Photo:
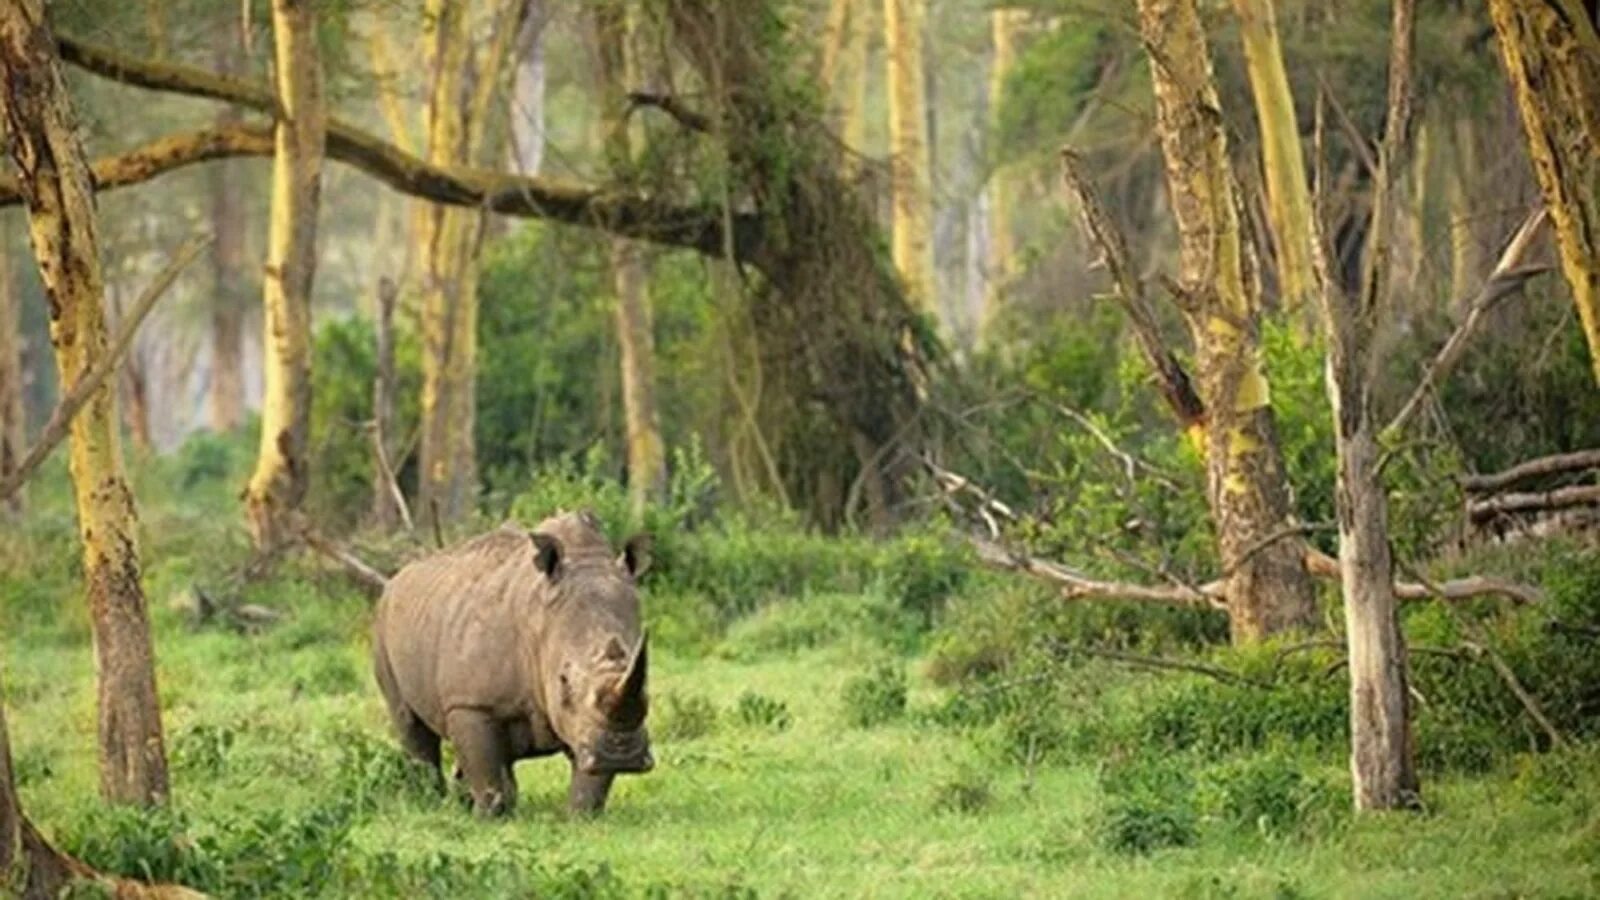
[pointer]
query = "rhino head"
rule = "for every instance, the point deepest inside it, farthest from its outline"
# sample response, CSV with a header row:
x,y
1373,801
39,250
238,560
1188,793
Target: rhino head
x,y
597,657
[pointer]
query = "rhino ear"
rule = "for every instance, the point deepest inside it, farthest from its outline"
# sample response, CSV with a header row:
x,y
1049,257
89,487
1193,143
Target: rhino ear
x,y
636,554
546,553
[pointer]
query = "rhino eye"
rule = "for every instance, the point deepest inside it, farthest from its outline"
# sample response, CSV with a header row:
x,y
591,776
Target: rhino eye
x,y
566,689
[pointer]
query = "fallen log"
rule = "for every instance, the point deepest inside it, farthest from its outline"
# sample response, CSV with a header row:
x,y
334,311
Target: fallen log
x,y
1558,464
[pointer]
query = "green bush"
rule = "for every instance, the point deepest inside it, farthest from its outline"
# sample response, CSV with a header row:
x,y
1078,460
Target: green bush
x,y
967,792
818,621
876,697
760,711
1272,793
683,717
1149,804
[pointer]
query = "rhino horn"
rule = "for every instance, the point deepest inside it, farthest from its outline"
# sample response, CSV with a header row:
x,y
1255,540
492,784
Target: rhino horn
x,y
628,700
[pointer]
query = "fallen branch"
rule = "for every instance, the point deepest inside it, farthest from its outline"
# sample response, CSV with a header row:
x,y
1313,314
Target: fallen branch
x,y
1544,501
1558,464
1468,588
1162,663
1075,585
357,567
56,428
1508,277
1481,645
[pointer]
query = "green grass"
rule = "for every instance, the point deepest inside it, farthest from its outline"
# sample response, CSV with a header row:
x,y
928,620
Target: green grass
x,y
286,782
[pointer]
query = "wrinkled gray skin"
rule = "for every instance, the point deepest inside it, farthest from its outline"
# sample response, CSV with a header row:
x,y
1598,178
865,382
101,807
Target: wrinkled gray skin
x,y
520,644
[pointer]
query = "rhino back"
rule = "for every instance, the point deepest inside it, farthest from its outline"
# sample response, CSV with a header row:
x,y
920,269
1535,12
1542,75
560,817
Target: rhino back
x,y
451,627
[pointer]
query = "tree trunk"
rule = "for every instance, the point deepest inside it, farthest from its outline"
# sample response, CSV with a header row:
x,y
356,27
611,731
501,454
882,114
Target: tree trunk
x,y
447,241
1282,159
13,413
528,90
1004,25
30,868
230,284
1381,757
55,184
910,183
281,477
647,470
1268,589
1466,263
1550,55
385,503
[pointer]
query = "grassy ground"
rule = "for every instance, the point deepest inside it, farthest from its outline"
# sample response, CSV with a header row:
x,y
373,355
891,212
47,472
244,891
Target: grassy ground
x,y
286,782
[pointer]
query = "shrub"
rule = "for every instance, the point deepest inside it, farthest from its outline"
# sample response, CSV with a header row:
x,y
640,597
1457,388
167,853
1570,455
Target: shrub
x,y
684,717
876,697
759,711
817,621
1272,793
1149,804
967,792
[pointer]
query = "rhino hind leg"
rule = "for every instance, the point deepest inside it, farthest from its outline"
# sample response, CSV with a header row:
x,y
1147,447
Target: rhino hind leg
x,y
420,742
483,758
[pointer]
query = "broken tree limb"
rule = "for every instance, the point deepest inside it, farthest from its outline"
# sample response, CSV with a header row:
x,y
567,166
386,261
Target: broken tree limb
x,y
1075,585
672,106
1479,509
1508,277
1175,385
1480,645
56,428
1559,464
1160,663
1468,588
353,564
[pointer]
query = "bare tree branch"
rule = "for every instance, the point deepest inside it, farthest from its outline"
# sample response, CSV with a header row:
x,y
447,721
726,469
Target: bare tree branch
x,y
1545,501
55,430
1508,277
1097,222
1558,464
672,106
697,227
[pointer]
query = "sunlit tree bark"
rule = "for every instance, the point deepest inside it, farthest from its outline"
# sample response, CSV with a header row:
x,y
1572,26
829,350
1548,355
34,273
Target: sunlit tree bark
x,y
447,240
647,470
281,476
42,140
1004,26
1268,589
1552,56
910,184
1282,160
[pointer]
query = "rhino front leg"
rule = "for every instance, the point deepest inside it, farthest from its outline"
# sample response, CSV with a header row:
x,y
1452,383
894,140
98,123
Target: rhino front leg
x,y
482,756
587,794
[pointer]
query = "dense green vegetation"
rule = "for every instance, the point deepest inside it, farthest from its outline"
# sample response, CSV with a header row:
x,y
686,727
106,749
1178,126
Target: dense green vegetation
x,y
831,716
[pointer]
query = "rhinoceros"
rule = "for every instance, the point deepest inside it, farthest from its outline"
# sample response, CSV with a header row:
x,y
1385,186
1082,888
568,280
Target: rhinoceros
x,y
519,644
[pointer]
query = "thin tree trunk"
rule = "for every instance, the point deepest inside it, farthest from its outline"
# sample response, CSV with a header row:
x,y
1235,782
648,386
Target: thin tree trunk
x,y
1466,263
1268,590
647,469
1004,26
910,182
13,413
1382,760
849,85
385,505
1282,158
43,141
281,477
528,90
230,283
1549,55
447,241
